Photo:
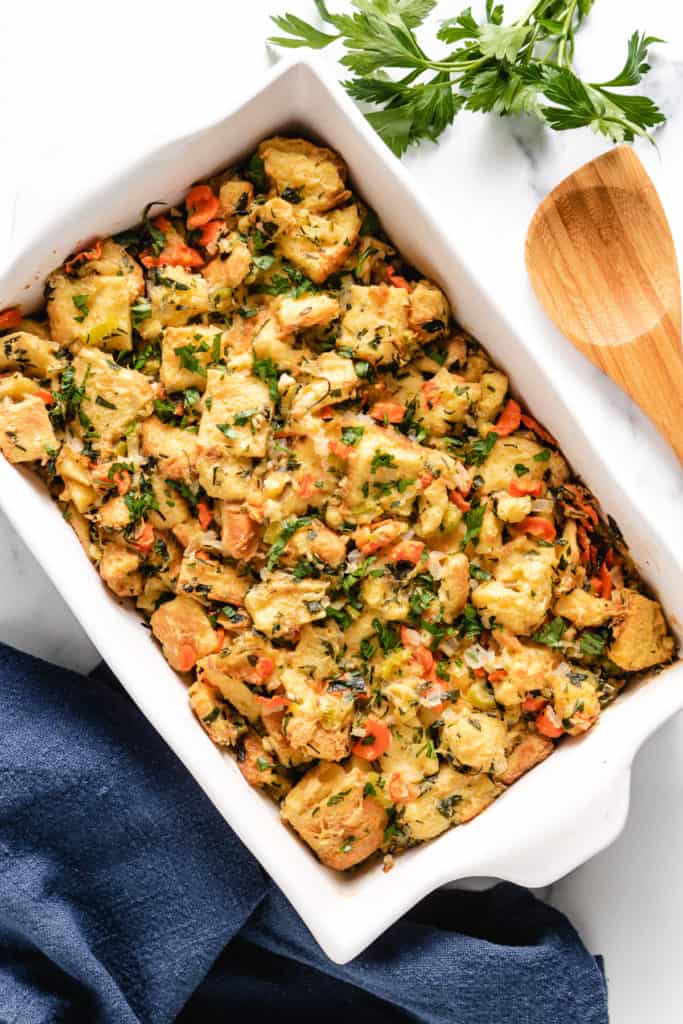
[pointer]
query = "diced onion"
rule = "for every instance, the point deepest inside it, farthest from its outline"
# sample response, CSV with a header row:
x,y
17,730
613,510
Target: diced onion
x,y
544,506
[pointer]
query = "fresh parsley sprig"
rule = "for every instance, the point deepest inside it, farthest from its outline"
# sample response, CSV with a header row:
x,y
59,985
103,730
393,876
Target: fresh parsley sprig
x,y
522,66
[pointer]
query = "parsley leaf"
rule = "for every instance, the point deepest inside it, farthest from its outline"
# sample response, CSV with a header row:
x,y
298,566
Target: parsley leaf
x,y
505,68
551,633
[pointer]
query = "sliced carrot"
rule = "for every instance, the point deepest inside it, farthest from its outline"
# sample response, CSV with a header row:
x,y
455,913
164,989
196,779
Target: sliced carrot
x,y
538,527
401,791
407,551
10,318
410,637
176,254
264,668
122,481
179,409
462,503
273,703
327,413
548,724
187,657
519,490
509,419
481,672
497,675
220,638
202,206
204,515
534,425
388,412
46,396
425,659
338,448
375,742
163,224
533,704
606,581
431,394
85,255
425,479
306,485
370,539
211,232
396,280
144,539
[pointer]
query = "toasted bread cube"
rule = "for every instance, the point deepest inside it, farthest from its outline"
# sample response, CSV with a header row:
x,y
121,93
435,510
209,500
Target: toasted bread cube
x,y
91,311
318,723
498,468
113,516
641,637
452,800
236,417
179,623
26,434
260,766
575,697
16,386
270,342
430,313
186,352
476,739
282,604
208,579
114,397
331,379
29,353
119,568
315,542
177,450
74,469
225,476
494,386
233,668
584,609
239,538
217,718
85,531
519,595
114,261
329,810
173,509
319,245
383,475
529,750
307,311
232,264
236,196
176,295
454,588
375,326
527,668
304,173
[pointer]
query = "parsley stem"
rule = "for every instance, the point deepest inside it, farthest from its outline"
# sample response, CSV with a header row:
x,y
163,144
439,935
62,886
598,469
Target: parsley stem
x,y
567,34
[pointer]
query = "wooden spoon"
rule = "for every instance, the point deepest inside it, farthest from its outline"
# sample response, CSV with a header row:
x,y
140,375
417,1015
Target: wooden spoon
x,y
602,262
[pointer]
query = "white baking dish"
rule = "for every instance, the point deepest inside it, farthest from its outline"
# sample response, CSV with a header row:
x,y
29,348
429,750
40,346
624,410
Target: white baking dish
x,y
553,819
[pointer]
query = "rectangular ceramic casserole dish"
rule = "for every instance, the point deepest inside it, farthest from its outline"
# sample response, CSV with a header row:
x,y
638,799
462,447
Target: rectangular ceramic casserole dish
x,y
565,810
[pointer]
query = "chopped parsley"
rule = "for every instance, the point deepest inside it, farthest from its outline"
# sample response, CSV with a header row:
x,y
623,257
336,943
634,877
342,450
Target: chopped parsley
x,y
551,633
81,304
288,530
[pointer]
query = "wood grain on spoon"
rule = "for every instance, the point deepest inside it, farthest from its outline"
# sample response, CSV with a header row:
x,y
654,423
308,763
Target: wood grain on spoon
x,y
602,262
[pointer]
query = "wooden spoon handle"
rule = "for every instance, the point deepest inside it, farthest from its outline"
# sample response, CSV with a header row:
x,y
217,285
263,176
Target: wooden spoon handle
x,y
650,370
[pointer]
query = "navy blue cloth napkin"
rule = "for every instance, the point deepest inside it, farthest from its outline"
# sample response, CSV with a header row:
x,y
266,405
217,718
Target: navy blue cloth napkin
x,y
126,899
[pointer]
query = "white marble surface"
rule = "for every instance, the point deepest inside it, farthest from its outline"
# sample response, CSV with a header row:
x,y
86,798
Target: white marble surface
x,y
82,92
